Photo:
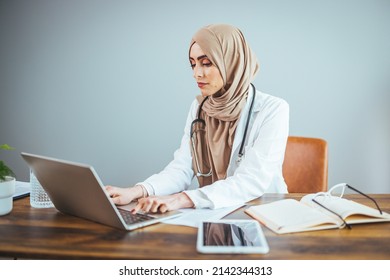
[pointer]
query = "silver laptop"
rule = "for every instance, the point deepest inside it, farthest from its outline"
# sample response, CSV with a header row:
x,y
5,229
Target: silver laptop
x,y
76,189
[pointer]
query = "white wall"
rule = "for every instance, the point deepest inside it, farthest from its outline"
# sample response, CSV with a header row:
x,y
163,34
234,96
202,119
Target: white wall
x,y
109,83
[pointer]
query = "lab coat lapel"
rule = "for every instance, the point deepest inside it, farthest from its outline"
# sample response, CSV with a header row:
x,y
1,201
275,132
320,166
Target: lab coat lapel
x,y
241,127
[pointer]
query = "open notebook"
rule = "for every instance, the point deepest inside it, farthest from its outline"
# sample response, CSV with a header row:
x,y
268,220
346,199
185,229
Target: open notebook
x,y
290,215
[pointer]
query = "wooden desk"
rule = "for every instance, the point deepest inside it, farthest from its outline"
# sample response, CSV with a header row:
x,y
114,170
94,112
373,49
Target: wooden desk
x,y
47,234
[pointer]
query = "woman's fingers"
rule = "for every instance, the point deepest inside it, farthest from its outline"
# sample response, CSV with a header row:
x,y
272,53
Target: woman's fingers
x,y
135,209
155,206
163,208
162,204
150,204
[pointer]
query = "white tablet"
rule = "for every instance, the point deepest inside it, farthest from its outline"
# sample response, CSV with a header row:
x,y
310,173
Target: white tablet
x,y
231,236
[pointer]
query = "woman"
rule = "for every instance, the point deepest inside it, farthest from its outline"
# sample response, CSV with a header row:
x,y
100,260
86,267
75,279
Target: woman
x,y
229,110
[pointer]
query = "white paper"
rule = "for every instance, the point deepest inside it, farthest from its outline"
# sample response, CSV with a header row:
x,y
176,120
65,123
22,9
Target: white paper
x,y
193,217
22,188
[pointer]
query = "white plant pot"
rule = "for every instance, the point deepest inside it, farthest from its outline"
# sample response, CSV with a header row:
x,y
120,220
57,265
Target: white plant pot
x,y
7,190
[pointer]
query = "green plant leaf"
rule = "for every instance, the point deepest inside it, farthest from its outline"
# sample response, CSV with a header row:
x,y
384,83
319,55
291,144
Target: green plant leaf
x,y
6,147
5,171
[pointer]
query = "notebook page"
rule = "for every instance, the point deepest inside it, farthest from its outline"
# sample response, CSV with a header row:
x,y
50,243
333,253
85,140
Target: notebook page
x,y
289,215
343,207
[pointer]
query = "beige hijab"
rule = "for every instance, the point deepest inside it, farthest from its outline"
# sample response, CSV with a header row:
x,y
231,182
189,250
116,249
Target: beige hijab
x,y
227,49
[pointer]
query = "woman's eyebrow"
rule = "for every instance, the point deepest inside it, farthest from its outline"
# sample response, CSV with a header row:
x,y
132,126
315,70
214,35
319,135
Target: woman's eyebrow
x,y
200,57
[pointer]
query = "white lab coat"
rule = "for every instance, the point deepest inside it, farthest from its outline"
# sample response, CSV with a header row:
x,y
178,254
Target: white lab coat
x,y
259,171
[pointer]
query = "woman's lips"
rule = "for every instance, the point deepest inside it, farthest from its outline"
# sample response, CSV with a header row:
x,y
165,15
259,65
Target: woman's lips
x,y
201,84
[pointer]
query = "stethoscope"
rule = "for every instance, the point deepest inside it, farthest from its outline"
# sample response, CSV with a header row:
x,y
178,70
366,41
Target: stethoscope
x,y
202,121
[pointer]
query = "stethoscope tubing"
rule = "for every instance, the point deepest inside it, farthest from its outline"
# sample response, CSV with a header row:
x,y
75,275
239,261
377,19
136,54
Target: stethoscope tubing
x,y
241,150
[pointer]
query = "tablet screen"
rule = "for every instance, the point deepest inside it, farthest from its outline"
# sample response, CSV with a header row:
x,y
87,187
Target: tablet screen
x,y
231,236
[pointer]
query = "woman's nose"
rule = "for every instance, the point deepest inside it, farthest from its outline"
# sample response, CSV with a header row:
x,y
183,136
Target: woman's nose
x,y
198,71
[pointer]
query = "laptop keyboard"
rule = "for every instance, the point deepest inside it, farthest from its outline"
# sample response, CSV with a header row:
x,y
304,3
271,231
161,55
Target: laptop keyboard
x,y
130,218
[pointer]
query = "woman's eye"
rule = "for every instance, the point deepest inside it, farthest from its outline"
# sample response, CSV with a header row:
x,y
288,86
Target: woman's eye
x,y
206,63
192,66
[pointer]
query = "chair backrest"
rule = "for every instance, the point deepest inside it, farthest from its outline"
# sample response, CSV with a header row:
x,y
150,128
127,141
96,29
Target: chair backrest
x,y
305,166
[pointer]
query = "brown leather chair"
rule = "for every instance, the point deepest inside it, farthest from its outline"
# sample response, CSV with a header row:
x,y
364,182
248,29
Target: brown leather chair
x,y
305,166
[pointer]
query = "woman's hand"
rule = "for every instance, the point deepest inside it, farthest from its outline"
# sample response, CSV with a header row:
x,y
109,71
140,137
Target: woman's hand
x,y
162,204
123,196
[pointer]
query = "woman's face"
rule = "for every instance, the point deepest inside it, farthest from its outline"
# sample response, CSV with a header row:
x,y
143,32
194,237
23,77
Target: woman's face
x,y
206,74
